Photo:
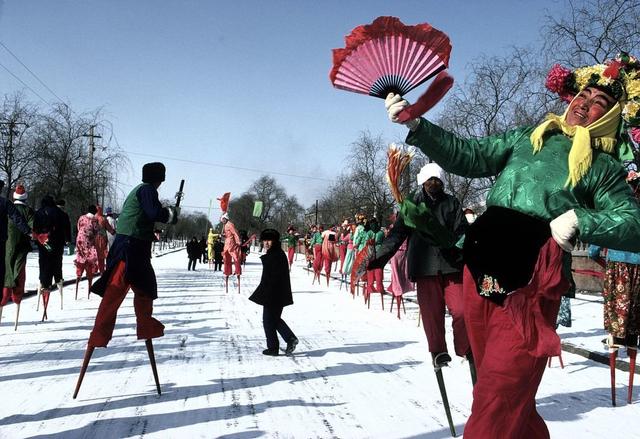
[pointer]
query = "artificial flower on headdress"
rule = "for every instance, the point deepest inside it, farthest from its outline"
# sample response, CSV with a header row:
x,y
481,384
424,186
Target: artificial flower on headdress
x,y
620,79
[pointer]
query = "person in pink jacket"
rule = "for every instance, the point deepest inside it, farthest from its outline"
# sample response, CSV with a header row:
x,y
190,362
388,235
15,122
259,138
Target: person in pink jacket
x,y
231,252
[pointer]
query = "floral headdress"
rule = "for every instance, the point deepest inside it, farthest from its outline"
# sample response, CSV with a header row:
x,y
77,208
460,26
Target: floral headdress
x,y
619,77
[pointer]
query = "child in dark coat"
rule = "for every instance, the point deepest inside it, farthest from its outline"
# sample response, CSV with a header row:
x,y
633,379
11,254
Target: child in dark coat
x,y
274,293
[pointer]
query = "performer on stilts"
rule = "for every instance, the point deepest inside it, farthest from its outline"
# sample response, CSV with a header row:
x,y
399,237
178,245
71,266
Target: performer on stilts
x,y
50,220
343,238
86,260
621,294
375,276
18,246
574,185
129,267
291,239
102,241
316,246
231,254
349,254
329,255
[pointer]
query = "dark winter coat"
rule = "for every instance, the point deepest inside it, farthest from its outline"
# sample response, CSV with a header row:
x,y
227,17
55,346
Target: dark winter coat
x,y
424,258
193,250
275,286
52,220
217,250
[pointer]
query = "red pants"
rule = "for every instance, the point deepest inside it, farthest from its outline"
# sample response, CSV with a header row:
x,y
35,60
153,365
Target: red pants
x,y
146,326
89,268
375,277
510,345
433,293
228,259
317,258
101,251
343,255
290,253
16,292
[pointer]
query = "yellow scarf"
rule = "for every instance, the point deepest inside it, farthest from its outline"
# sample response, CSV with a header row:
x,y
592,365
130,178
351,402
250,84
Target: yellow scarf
x,y
601,134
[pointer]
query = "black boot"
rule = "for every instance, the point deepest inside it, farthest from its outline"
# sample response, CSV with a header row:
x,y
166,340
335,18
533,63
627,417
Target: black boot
x,y
291,346
271,352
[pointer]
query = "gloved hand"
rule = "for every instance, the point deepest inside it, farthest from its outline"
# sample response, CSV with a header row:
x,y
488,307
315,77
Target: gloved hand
x,y
564,228
395,104
174,212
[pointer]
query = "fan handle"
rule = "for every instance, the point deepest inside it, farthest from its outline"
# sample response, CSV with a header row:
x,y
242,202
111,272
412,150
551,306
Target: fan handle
x,y
436,91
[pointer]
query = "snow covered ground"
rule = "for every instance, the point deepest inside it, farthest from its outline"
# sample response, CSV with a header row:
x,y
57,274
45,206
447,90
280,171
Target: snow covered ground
x,y
357,373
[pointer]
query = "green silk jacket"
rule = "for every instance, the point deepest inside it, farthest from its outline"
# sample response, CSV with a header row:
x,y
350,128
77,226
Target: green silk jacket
x,y
608,214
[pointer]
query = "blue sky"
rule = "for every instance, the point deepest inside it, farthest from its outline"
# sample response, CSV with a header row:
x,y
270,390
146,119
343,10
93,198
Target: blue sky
x,y
241,83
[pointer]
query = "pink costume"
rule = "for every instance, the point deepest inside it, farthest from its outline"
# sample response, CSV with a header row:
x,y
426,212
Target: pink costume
x,y
400,282
86,255
328,250
231,251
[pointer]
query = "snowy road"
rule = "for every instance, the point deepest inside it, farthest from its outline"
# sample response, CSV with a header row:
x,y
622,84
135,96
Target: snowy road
x,y
357,373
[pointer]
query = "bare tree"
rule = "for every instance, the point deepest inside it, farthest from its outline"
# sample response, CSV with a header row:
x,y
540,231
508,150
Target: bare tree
x,y
592,31
17,116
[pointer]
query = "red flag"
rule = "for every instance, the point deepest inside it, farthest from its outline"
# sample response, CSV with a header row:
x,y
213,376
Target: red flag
x,y
224,202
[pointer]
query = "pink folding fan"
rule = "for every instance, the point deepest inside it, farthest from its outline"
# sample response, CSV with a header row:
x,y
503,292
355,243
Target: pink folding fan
x,y
388,57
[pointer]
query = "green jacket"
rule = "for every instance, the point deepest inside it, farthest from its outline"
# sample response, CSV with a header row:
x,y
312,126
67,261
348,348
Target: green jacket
x,y
290,240
608,215
18,246
316,239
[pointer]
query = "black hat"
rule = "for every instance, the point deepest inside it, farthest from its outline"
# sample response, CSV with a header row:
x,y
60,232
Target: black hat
x,y
269,235
153,172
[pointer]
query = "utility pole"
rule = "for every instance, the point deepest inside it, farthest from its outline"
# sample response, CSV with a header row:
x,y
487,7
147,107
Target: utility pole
x,y
9,168
316,212
92,149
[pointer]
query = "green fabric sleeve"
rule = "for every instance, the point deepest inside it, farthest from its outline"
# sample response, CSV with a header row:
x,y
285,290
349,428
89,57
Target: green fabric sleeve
x,y
466,157
420,218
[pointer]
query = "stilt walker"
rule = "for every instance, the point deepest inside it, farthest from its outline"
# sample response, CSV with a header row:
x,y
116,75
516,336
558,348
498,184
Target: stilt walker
x,y
129,267
19,225
211,240
61,235
17,248
102,238
329,255
349,256
316,246
291,239
86,260
51,220
232,245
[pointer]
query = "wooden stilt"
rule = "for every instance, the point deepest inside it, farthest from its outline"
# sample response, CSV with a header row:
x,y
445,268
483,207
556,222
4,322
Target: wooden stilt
x,y
152,359
45,304
60,285
613,353
77,285
15,326
226,284
1,307
85,363
38,301
238,284
632,370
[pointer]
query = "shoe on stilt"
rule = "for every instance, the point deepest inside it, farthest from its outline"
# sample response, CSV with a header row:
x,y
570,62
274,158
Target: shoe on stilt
x,y
291,346
270,352
440,359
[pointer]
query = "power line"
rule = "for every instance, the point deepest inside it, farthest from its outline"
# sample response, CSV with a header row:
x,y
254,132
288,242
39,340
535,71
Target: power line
x,y
31,71
261,171
24,83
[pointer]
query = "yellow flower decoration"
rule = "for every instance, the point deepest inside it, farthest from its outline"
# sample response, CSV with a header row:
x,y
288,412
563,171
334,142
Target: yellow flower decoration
x,y
633,88
583,75
630,109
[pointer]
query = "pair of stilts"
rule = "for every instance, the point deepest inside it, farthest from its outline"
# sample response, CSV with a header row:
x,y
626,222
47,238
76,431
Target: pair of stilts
x,y
226,284
316,276
89,352
632,351
45,293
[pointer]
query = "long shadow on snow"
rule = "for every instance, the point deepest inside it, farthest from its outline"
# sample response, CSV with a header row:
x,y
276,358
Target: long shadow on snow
x,y
152,423
172,393
78,354
359,348
571,406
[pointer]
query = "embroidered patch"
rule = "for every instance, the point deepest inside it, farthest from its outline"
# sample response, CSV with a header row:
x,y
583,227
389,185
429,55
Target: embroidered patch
x,y
489,286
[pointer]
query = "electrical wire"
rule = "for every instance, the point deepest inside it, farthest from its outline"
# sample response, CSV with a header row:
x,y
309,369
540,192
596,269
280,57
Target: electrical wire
x,y
24,83
261,171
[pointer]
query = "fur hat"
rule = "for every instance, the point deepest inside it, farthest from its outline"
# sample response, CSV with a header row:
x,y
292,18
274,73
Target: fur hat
x,y
20,193
224,216
153,172
269,235
428,171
